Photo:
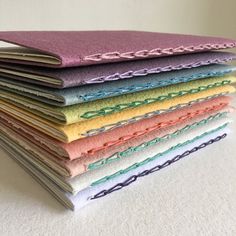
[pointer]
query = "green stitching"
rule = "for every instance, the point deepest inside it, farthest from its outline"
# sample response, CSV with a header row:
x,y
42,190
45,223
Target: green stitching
x,y
136,165
152,142
149,114
119,107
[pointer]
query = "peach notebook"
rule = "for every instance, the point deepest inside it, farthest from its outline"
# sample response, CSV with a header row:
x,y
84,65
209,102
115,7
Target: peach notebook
x,y
99,149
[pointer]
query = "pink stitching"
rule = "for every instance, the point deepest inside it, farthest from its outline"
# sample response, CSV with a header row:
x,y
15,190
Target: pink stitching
x,y
155,52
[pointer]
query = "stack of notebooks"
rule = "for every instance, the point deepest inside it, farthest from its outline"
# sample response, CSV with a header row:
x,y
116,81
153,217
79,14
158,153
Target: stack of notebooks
x,y
88,113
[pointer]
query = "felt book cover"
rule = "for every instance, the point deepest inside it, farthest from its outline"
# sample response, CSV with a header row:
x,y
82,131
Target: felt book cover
x,y
77,48
98,74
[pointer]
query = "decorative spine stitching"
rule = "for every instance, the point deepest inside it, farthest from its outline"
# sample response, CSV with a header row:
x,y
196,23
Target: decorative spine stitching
x,y
157,70
133,178
152,142
120,107
155,52
147,115
140,87
155,127
136,165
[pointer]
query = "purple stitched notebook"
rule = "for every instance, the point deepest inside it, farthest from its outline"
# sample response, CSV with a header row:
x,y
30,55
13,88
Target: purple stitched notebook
x,y
79,48
97,74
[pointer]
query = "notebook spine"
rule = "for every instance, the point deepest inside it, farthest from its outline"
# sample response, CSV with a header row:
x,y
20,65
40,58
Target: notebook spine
x,y
133,178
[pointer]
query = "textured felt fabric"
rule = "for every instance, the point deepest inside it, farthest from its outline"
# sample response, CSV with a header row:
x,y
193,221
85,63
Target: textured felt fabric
x,y
73,132
119,167
88,147
88,193
71,96
193,118
76,48
95,109
85,196
122,166
115,169
97,74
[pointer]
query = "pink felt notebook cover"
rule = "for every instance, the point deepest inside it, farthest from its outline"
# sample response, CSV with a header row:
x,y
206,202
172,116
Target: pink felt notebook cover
x,y
78,48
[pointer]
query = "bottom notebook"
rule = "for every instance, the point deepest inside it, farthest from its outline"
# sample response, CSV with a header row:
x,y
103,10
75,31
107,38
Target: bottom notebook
x,y
92,193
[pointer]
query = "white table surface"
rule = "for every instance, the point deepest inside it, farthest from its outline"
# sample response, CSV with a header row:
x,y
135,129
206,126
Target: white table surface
x,y
195,196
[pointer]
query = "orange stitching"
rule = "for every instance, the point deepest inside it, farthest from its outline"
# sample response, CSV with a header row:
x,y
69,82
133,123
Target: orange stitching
x,y
160,125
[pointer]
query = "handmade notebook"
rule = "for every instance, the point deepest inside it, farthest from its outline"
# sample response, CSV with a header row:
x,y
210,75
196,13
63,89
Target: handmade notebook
x,y
77,48
70,133
90,194
106,186
112,167
97,151
93,144
86,93
88,113
92,110
98,74
99,120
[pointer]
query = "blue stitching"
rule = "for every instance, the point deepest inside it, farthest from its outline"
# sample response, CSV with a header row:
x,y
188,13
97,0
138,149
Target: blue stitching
x,y
139,87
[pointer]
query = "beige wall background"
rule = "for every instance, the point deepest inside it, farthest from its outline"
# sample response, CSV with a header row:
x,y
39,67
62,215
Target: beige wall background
x,y
210,17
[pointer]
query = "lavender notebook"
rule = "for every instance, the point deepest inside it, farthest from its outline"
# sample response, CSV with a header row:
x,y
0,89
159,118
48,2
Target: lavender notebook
x,y
92,92
97,74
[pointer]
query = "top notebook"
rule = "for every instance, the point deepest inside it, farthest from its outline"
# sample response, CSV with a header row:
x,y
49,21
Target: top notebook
x,y
79,48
